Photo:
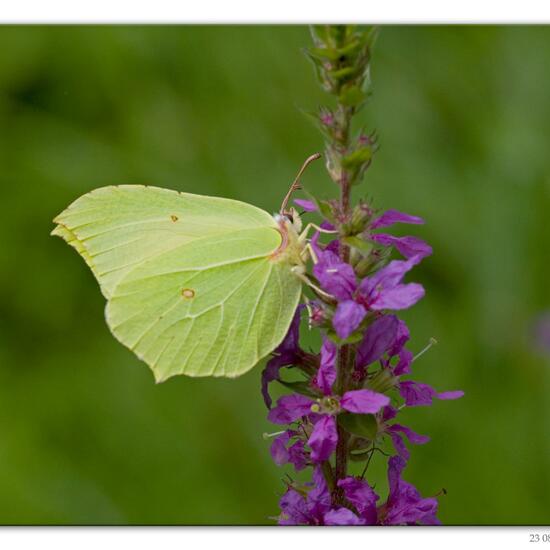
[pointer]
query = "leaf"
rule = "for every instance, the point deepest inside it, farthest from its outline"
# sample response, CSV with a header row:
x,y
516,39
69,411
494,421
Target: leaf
x,y
363,425
192,283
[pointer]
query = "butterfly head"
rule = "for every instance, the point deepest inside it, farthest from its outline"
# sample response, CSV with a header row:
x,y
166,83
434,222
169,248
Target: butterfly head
x,y
291,248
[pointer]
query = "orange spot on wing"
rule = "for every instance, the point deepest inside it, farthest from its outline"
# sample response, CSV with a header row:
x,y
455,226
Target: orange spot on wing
x,y
188,293
174,218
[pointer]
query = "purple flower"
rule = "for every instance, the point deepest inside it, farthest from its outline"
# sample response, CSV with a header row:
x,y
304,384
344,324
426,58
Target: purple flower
x,y
360,494
391,217
285,354
308,206
384,290
362,497
309,510
408,246
294,509
404,504
294,454
417,394
335,276
324,437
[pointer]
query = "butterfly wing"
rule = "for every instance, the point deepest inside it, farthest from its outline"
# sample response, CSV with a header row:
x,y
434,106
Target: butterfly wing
x,y
118,227
199,295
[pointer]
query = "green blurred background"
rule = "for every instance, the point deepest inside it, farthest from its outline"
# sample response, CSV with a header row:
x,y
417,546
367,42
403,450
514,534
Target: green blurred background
x,y
463,115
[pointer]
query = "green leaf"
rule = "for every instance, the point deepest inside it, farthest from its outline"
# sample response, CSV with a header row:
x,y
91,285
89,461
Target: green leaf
x,y
363,425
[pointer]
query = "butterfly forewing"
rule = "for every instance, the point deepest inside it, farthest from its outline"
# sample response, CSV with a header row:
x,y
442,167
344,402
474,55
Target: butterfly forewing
x,y
190,281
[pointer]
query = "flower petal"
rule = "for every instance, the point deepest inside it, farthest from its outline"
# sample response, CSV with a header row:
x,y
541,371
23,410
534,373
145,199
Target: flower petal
x,y
416,394
278,449
308,206
402,337
347,317
379,338
405,504
361,495
398,297
450,394
326,375
323,439
335,276
408,246
318,498
342,516
397,439
285,355
297,455
293,509
404,365
387,277
364,401
290,408
271,372
393,216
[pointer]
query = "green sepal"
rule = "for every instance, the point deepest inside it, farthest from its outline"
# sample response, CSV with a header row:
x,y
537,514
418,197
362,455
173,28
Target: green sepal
x,y
324,53
354,338
357,158
364,425
326,211
359,244
361,456
352,96
341,74
301,387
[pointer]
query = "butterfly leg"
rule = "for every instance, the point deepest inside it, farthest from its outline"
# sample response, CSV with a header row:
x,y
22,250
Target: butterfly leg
x,y
308,250
299,272
309,226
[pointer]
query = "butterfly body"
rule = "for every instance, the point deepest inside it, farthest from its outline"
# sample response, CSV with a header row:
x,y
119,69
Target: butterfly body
x,y
195,285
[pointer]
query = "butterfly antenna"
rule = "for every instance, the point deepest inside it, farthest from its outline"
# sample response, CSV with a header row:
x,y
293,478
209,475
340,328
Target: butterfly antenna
x,y
296,183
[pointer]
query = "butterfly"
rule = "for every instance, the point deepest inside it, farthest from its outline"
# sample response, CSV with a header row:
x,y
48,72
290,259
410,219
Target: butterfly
x,y
195,285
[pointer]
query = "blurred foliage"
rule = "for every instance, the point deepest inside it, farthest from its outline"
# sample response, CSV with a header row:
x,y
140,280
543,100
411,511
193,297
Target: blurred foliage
x,y
464,123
